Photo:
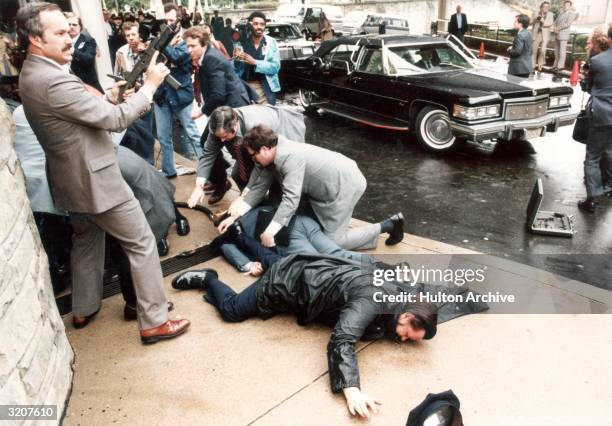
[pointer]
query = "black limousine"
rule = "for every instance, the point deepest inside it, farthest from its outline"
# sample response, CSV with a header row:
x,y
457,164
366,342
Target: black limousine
x,y
428,85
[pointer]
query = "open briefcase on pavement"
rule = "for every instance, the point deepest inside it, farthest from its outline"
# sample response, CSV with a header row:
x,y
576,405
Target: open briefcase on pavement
x,y
546,223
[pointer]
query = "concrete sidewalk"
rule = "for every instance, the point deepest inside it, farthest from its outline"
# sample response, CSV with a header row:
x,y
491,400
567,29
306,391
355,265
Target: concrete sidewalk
x,y
506,369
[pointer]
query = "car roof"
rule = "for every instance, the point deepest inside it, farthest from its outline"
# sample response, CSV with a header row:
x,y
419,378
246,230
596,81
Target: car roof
x,y
389,40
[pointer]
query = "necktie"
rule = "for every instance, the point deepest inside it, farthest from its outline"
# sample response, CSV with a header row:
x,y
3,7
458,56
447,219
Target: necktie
x,y
196,82
242,170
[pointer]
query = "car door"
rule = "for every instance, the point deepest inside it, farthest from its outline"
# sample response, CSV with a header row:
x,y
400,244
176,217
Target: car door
x,y
311,20
369,87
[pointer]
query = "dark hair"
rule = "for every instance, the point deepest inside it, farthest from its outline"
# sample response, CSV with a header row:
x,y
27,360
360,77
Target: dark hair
x,y
222,118
523,20
568,1
198,33
425,317
610,31
171,6
28,21
228,21
260,136
543,3
257,14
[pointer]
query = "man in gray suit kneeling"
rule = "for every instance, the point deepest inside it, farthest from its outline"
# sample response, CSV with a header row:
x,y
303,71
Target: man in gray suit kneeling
x,y
72,125
331,183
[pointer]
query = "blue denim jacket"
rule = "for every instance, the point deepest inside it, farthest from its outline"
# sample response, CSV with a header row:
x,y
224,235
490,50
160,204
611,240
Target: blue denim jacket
x,y
180,69
270,65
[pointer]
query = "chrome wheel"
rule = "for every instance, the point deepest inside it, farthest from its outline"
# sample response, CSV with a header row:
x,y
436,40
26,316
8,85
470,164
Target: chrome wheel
x,y
433,129
309,100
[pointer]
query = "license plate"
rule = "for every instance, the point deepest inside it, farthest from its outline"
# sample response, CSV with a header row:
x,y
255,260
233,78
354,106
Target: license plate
x,y
534,133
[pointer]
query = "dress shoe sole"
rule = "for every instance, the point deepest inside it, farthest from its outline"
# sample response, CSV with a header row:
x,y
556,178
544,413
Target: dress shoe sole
x,y
154,339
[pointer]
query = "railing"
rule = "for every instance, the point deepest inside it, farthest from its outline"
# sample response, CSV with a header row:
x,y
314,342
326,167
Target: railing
x,y
496,41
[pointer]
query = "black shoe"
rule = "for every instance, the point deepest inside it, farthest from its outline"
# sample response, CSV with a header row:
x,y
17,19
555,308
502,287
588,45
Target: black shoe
x,y
171,176
588,205
130,313
182,226
81,322
397,234
163,247
192,280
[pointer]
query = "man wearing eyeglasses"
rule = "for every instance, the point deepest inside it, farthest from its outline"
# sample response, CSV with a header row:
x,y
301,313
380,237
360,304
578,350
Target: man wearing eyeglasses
x,y
83,63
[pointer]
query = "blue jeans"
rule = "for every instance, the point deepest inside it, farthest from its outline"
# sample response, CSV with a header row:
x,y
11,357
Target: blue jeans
x,y
308,237
163,121
598,144
233,307
231,252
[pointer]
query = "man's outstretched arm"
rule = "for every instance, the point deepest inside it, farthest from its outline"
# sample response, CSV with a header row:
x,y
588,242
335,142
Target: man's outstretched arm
x,y
342,359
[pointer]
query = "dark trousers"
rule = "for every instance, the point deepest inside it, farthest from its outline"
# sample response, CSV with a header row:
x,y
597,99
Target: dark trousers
x,y
233,307
254,250
598,145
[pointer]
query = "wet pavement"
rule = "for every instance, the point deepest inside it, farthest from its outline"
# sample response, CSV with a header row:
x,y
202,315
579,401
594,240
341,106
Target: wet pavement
x,y
476,197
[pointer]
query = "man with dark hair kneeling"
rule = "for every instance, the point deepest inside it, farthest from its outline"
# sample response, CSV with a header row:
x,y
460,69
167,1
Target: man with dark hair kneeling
x,y
330,290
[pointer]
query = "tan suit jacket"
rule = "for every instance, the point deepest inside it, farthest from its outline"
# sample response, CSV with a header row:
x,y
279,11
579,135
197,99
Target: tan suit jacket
x,y
73,125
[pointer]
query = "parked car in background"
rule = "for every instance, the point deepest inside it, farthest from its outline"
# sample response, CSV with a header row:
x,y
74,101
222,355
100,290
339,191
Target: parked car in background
x,y
306,16
291,43
372,23
428,86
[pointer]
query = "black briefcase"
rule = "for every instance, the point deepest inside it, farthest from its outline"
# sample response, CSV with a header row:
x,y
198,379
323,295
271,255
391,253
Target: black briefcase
x,y
582,124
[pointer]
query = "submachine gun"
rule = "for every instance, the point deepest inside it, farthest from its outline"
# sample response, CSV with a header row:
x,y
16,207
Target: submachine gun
x,y
144,58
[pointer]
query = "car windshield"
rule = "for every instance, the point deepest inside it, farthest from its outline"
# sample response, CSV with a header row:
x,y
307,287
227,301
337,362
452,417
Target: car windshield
x,y
406,60
283,32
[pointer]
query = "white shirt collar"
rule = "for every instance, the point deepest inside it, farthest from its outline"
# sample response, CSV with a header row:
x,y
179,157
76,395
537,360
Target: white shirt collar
x,y
75,38
65,67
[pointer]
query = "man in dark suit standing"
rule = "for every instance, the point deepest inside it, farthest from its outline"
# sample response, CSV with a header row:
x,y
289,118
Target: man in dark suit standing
x,y
216,77
72,125
521,63
216,23
458,24
83,63
599,144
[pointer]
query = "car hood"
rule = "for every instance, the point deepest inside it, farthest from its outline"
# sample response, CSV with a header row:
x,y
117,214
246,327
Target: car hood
x,y
480,83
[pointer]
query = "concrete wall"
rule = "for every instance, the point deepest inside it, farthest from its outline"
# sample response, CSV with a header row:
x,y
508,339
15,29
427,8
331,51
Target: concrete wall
x,y
35,356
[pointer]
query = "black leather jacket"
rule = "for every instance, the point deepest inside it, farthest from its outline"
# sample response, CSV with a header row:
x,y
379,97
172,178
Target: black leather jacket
x,y
337,292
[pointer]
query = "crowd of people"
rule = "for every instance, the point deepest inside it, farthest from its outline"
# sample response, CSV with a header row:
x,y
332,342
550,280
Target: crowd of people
x,y
290,224
89,165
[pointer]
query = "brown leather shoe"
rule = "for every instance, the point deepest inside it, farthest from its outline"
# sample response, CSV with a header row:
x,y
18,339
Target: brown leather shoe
x,y
167,330
209,186
217,196
131,314
81,321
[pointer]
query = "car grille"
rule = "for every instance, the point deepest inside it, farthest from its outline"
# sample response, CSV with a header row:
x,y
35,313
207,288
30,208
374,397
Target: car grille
x,y
527,110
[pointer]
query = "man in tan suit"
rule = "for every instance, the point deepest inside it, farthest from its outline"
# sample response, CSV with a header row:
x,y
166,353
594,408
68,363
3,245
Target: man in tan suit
x,y
73,127
542,26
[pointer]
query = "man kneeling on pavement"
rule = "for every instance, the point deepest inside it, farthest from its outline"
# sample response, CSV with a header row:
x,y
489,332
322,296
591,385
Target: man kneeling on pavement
x,y
330,182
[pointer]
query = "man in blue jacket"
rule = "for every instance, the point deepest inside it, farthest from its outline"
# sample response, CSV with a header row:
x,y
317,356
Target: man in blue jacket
x,y
259,62
219,84
170,102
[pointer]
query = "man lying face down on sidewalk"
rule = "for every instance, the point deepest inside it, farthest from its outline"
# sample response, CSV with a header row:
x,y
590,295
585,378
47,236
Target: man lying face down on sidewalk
x,y
330,290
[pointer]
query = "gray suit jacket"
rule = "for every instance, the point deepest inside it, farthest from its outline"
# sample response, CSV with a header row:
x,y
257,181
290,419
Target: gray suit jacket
x,y
520,54
564,22
72,126
544,25
325,177
288,122
599,84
